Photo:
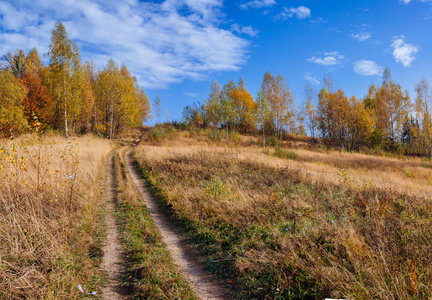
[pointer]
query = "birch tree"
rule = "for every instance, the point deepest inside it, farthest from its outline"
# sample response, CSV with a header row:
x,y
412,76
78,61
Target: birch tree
x,y
423,107
263,113
64,60
281,102
309,110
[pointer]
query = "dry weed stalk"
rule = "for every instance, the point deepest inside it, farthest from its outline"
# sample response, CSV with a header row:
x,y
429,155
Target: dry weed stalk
x,y
48,211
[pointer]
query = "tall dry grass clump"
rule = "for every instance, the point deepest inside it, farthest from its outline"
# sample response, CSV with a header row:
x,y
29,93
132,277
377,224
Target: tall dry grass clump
x,y
49,206
294,228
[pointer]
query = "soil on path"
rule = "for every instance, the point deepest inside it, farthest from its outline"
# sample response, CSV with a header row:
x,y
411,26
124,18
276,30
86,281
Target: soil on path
x,y
112,249
184,256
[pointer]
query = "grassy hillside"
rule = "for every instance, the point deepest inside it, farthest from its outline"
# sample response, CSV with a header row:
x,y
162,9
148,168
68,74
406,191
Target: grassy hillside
x,y
291,223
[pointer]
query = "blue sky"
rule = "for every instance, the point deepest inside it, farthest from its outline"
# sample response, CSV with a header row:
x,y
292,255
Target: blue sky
x,y
177,48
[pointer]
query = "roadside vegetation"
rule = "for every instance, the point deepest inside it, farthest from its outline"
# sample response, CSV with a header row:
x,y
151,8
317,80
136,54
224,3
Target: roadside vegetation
x,y
51,216
286,222
150,272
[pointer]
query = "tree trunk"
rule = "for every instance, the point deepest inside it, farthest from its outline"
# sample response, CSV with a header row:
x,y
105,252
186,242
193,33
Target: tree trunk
x,y
65,105
428,130
227,132
112,111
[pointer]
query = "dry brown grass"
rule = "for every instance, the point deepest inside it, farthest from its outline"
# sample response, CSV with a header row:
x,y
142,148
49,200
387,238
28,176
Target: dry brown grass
x,y
49,215
326,224
381,172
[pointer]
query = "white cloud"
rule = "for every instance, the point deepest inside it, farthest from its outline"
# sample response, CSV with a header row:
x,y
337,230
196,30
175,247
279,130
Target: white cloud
x,y
408,1
311,79
300,12
258,4
361,37
333,58
190,94
161,43
403,52
318,21
248,30
367,68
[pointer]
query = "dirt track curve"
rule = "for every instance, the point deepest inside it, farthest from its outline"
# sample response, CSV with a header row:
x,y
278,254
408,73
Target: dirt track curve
x,y
189,265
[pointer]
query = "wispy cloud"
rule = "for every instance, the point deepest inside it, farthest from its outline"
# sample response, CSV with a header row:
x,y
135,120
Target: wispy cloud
x,y
319,20
403,52
301,12
308,76
367,68
190,94
408,1
258,4
333,58
248,30
361,37
161,43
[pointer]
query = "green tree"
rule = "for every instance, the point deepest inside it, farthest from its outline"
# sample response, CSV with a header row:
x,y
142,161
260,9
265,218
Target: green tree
x,y
212,106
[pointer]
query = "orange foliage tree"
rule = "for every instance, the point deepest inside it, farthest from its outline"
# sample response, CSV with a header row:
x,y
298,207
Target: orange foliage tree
x,y
38,103
244,104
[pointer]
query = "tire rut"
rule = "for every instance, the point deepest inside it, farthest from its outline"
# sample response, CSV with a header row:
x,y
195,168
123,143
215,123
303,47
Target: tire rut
x,y
112,249
203,284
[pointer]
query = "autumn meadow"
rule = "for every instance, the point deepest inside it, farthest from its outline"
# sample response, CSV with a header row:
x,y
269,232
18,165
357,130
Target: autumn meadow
x,y
330,199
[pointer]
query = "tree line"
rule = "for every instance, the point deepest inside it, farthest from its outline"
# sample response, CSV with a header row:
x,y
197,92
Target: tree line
x,y
66,94
385,118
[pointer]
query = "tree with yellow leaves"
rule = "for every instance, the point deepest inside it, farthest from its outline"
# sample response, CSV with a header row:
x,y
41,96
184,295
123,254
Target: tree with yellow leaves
x,y
281,102
12,94
64,61
244,105
227,110
346,122
392,106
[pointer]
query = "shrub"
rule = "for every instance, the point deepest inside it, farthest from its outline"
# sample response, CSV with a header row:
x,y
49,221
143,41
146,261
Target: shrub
x,y
156,134
271,141
213,135
282,153
234,136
